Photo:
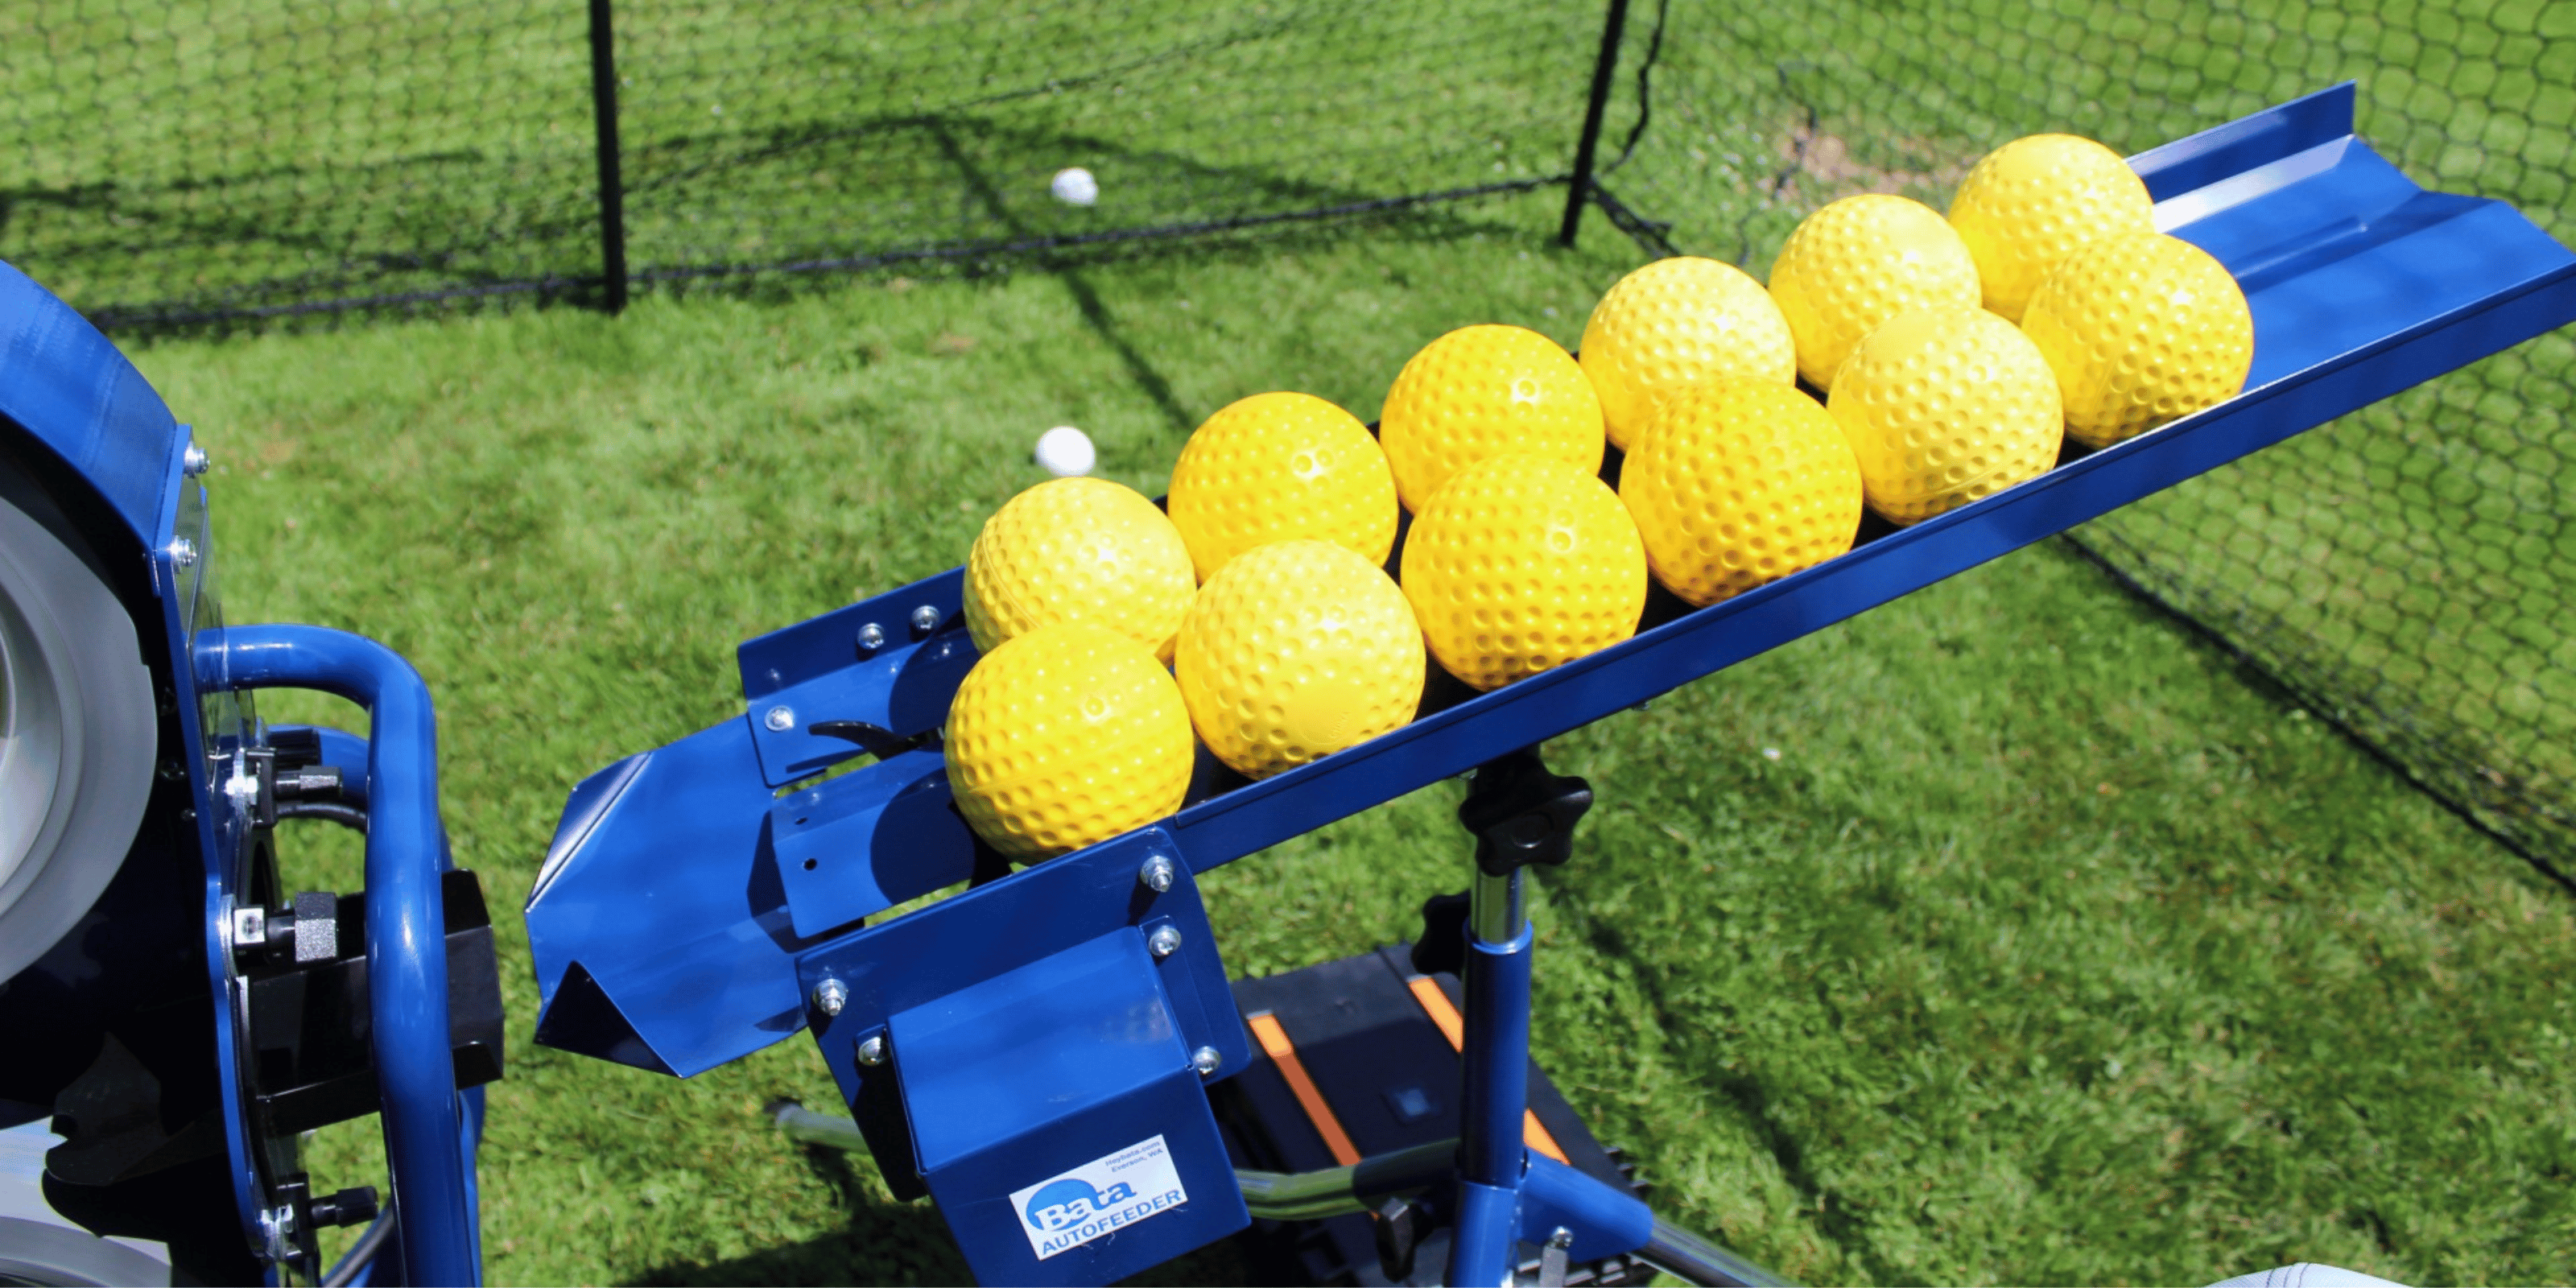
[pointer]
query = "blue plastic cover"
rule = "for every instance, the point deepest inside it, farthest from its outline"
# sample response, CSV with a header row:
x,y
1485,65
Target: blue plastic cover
x,y
72,390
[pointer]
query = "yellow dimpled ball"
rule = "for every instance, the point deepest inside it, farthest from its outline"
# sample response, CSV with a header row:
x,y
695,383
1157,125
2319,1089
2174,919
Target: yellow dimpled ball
x,y
1479,392
1281,465
1295,650
1859,262
1944,406
1675,323
2141,329
2034,201
1520,564
1066,735
1079,550
1738,483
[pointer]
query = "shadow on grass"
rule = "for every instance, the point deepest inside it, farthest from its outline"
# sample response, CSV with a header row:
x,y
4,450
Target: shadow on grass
x,y
885,1242
898,1243
759,214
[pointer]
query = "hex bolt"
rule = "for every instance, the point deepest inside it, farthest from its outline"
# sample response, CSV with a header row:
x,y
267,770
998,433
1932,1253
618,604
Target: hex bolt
x,y
1157,874
780,719
830,996
871,637
925,619
1165,941
183,553
1205,1060
872,1053
193,461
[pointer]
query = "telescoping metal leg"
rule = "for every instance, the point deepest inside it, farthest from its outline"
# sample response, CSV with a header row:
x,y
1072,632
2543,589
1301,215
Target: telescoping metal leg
x,y
1523,815
1494,1090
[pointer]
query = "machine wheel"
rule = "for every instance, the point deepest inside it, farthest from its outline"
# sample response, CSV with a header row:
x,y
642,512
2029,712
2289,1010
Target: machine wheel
x,y
77,737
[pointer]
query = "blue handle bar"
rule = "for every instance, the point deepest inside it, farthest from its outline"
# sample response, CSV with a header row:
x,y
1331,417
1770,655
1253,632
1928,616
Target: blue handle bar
x,y
406,921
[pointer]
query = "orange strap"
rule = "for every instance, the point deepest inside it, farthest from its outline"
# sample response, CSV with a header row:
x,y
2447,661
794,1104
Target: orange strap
x,y
1453,1026
1275,1044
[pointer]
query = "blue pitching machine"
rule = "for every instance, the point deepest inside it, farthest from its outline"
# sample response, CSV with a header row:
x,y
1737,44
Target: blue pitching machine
x,y
1057,1057
178,1017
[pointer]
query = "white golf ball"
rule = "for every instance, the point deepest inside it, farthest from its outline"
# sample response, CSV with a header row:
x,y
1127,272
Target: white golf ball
x,y
1066,452
1075,187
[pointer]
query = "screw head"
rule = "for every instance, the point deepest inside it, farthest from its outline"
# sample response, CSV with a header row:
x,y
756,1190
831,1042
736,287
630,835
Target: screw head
x,y
193,462
872,1053
1165,941
780,719
925,619
1206,1060
1157,874
183,553
872,637
830,996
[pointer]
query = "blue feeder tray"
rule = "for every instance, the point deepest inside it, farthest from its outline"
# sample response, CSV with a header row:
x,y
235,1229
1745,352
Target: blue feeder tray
x,y
688,914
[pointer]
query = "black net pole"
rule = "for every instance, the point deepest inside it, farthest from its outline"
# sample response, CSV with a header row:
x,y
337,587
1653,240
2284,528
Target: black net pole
x,y
1602,69
612,203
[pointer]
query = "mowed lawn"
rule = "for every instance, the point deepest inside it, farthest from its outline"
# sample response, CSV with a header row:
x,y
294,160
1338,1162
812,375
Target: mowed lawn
x,y
2006,933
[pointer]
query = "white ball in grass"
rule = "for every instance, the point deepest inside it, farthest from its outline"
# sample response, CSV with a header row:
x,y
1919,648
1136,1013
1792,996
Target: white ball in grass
x,y
1066,452
1075,187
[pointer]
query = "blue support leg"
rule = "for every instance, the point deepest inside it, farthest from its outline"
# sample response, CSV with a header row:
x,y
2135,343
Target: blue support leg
x,y
1494,1091
424,1122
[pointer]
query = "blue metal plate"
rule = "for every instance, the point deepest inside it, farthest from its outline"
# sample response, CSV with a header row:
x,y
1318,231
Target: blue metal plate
x,y
868,840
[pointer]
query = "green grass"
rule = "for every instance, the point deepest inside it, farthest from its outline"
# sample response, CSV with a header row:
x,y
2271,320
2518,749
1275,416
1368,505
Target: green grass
x,y
2048,946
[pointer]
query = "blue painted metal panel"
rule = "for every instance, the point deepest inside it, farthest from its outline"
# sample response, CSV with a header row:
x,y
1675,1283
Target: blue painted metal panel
x,y
1038,1080
868,840
818,646
72,390
997,928
1032,1033
2360,284
661,904
2221,153
903,690
1062,1035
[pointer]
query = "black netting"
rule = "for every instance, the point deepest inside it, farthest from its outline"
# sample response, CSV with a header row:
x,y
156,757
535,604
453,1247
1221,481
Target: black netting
x,y
172,162
765,133
168,160
2403,570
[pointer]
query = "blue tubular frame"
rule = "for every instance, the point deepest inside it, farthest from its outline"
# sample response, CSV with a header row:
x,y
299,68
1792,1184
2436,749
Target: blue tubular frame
x,y
427,1125
1493,1095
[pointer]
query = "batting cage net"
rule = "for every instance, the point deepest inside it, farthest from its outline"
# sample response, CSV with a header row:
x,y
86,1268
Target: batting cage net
x,y
186,159
2400,571
178,162
2404,571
